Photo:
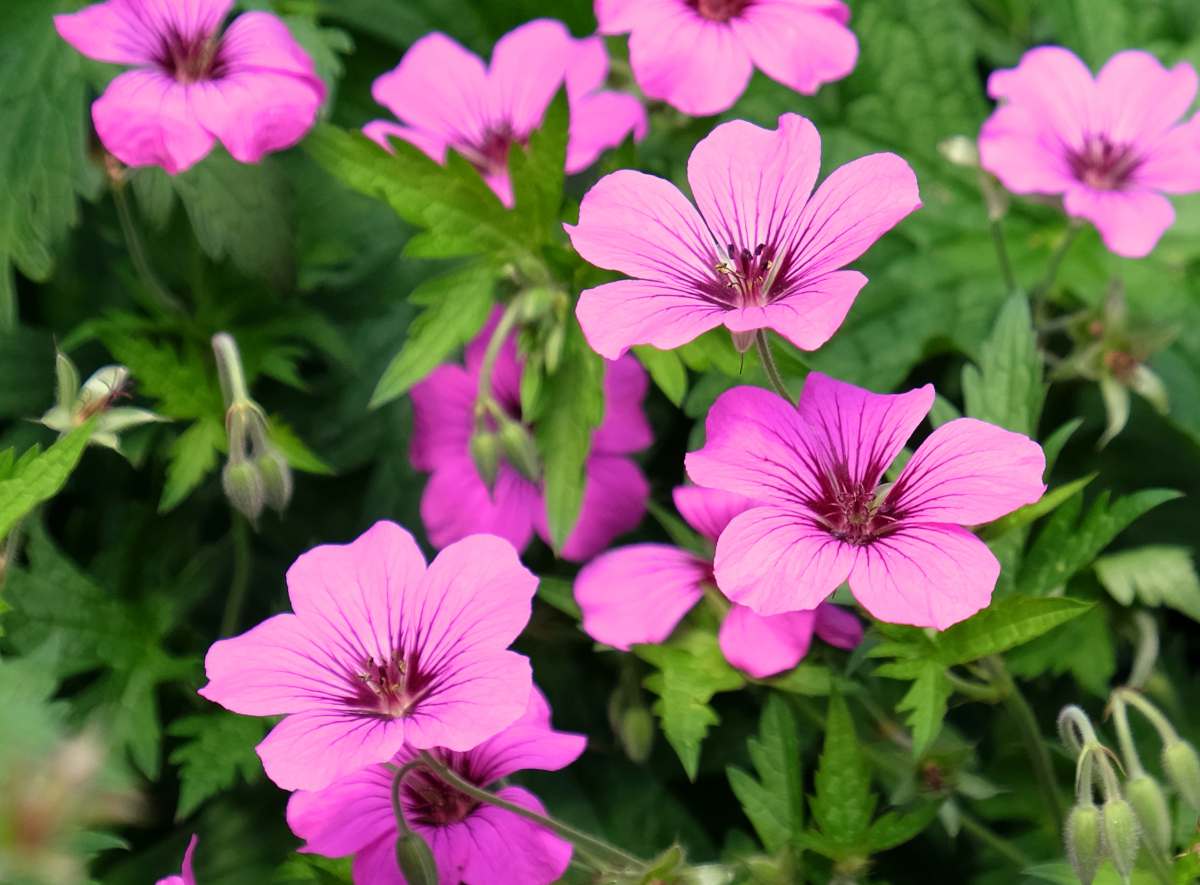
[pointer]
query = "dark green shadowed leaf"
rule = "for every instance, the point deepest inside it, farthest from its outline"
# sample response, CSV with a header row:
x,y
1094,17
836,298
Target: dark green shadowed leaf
x,y
1005,624
538,172
668,371
217,753
843,803
774,802
1006,388
39,477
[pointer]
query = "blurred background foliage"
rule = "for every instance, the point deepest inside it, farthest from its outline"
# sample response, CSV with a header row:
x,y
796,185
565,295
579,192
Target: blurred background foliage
x,y
116,589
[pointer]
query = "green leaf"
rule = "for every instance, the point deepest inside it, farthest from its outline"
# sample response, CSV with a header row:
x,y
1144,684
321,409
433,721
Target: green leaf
x,y
1154,575
897,827
1085,648
538,173
925,703
1006,388
843,803
184,383
559,594
1006,623
691,669
774,802
573,406
26,365
1030,513
457,306
309,869
667,369
194,456
218,752
1068,544
299,456
40,477
811,680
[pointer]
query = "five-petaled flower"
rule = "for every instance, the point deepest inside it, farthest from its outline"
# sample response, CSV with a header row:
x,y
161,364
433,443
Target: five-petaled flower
x,y
252,86
827,515
448,99
472,842
764,251
1112,146
457,501
381,652
698,55
186,876
638,594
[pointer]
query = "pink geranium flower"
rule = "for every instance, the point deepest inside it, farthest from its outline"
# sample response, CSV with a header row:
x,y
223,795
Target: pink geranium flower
x,y
381,652
698,55
447,98
472,843
1112,146
827,515
457,502
764,251
638,594
186,876
252,86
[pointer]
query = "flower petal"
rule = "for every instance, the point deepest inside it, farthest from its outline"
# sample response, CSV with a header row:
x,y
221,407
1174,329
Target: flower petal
x,y
255,113
774,561
1171,165
1069,109
624,429
346,816
443,414
708,511
1140,98
145,119
1130,222
620,16
456,504
112,32
381,132
617,316
838,627
311,750
257,42
798,48
1024,152
529,65
969,472
614,502
764,646
751,183
530,742
636,595
601,121
806,315
506,849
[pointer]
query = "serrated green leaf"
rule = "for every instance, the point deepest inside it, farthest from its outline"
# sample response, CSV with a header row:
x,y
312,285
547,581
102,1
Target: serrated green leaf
x,y
1068,544
183,382
457,306
691,669
812,680
1085,648
573,406
538,173
1006,388
194,455
843,803
667,369
925,704
1054,443
1155,575
774,802
309,869
897,827
40,478
218,752
296,450
1006,623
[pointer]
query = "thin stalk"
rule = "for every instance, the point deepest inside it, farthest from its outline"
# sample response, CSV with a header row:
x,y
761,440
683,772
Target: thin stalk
x,y
976,691
229,369
768,364
1133,762
1006,268
397,807
241,576
994,841
1166,731
609,855
1056,260
137,252
1031,736
499,335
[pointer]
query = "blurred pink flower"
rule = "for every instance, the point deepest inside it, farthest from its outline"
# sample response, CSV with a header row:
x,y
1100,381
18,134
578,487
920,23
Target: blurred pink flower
x,y
186,877
1112,146
456,501
252,86
381,652
471,842
638,594
698,55
827,515
447,98
764,251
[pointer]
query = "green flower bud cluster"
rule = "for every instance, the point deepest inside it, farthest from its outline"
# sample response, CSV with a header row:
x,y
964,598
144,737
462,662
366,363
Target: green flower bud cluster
x,y
94,400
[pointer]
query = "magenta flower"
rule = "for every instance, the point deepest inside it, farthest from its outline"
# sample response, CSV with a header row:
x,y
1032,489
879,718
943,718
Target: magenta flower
x,y
698,55
447,98
252,87
638,594
471,842
456,501
186,876
827,515
381,652
1112,146
764,251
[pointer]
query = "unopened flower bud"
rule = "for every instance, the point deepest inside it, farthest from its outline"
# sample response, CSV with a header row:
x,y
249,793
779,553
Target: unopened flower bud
x,y
554,347
276,479
1183,770
416,860
100,390
1084,844
485,452
520,450
1121,834
244,488
1148,800
636,731
742,341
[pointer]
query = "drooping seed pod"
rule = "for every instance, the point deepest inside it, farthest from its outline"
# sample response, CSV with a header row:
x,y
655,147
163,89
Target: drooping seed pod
x,y
1150,803
244,488
485,452
1121,834
1183,770
276,478
416,860
1085,848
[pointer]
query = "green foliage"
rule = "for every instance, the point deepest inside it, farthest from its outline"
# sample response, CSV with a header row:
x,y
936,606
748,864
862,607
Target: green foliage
x,y
38,476
667,369
774,802
843,803
1155,575
1006,387
218,751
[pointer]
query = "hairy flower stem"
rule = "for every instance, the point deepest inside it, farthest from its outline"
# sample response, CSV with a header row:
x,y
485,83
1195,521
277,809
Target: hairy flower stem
x,y
1006,268
229,369
1166,731
397,783
609,856
1035,747
137,252
1129,753
240,581
768,364
499,335
1038,295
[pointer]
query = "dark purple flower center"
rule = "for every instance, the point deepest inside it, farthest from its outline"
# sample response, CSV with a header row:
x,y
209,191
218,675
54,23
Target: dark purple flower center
x,y
746,278
434,803
190,59
390,688
719,10
490,154
853,512
1103,165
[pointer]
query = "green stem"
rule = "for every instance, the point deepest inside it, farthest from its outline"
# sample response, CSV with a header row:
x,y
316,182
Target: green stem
x,y
241,576
499,335
397,783
768,364
1006,268
137,252
609,855
994,841
1166,731
1035,747
1043,288
1133,762
229,369
976,691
